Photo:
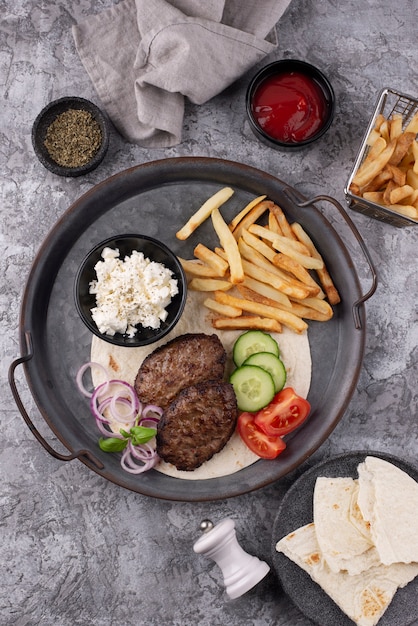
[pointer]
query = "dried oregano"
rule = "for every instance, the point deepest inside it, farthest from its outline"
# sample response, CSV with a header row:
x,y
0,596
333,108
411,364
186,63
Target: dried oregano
x,y
73,138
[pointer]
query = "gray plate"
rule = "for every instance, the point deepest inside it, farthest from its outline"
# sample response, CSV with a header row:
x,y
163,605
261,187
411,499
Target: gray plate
x,y
155,199
295,511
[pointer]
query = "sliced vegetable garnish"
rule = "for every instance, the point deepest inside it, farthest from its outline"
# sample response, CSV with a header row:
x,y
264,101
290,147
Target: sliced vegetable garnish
x,y
119,394
257,441
137,460
253,386
112,444
115,401
80,375
251,342
272,364
285,413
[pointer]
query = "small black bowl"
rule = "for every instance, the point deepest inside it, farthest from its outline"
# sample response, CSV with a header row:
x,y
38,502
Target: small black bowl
x,y
315,82
126,244
48,115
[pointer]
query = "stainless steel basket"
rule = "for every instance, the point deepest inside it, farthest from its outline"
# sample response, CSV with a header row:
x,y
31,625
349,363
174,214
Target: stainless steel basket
x,y
389,101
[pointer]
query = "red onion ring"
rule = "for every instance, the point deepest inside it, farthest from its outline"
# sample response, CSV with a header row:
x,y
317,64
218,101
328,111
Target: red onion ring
x,y
80,374
122,394
152,408
134,452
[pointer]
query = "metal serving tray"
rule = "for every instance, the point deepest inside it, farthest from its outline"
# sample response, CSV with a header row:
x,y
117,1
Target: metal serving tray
x,y
154,199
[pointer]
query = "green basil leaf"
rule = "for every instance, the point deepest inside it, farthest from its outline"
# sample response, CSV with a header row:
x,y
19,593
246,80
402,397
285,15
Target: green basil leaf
x,y
124,433
142,434
112,444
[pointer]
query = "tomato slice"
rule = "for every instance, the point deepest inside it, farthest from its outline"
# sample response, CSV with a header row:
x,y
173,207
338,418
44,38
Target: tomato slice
x,y
286,412
261,444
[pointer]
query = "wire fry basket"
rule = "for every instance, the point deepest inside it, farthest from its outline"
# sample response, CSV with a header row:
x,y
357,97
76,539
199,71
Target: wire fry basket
x,y
389,102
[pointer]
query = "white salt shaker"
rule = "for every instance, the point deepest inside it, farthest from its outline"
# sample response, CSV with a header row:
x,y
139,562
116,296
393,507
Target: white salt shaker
x,y
241,571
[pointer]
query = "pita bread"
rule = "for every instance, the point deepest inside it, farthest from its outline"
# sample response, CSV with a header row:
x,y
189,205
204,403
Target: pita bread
x,y
125,362
357,524
388,500
363,597
343,535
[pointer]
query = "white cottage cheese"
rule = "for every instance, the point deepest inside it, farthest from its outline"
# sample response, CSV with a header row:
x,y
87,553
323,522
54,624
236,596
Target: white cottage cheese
x,y
131,291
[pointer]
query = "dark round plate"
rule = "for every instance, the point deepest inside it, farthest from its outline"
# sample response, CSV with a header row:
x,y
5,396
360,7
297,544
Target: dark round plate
x,y
155,199
295,511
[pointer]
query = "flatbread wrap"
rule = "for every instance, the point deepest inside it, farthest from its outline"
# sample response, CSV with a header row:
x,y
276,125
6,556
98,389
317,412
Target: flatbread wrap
x,y
123,363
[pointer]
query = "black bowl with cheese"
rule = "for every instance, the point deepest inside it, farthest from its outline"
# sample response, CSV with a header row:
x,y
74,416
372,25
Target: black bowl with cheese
x,y
129,292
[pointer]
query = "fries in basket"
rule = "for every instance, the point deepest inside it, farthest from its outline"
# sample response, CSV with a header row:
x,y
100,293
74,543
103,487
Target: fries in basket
x,y
262,275
388,175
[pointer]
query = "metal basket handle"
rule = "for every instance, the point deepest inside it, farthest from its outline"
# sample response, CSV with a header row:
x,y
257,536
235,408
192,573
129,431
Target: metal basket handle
x,y
86,454
356,306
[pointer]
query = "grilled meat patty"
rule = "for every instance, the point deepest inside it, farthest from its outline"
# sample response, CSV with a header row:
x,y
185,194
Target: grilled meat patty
x,y
197,424
181,362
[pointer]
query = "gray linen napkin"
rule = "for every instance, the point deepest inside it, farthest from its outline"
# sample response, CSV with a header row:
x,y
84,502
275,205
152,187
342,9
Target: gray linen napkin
x,y
145,56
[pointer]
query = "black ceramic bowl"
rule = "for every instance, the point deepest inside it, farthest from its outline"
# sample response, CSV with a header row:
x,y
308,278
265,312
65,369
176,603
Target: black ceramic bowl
x,y
290,104
85,154
154,251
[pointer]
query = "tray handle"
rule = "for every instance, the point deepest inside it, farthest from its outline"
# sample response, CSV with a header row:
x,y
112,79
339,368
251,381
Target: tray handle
x,y
356,306
12,382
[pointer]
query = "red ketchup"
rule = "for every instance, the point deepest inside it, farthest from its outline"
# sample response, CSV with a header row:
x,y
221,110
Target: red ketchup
x,y
290,107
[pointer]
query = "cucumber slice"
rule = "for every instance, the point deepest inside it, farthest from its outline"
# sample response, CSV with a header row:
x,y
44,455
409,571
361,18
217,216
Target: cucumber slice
x,y
253,386
251,342
272,364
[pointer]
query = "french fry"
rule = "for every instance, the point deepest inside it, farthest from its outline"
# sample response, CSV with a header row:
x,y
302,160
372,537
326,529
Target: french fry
x,y
401,148
289,282
412,178
282,221
240,216
258,245
230,246
265,233
247,323
414,150
284,317
317,304
319,313
211,258
255,296
196,268
374,196
262,275
412,126
307,313
396,126
380,118
377,148
374,135
378,181
214,202
273,224
368,170
293,267
323,274
267,291
251,217
400,193
398,176
391,186
307,261
222,309
409,211
209,284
